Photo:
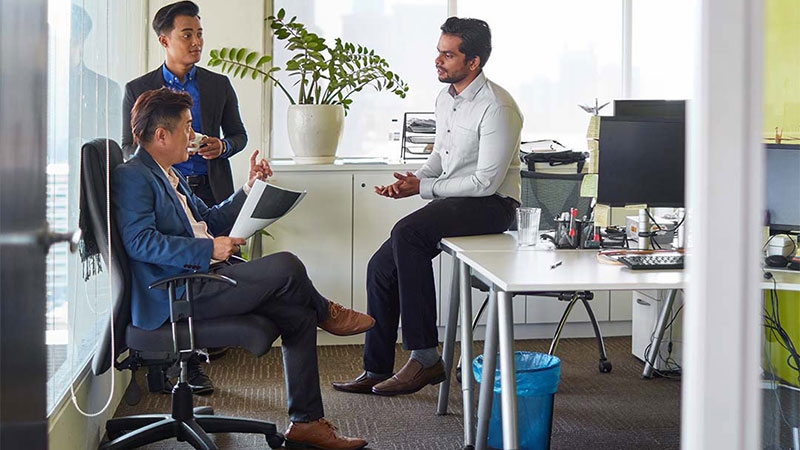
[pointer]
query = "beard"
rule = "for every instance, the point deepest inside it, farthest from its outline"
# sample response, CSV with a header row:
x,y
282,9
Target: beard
x,y
453,78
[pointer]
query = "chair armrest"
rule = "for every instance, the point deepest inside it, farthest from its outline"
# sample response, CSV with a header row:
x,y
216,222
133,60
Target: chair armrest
x,y
181,310
237,258
164,282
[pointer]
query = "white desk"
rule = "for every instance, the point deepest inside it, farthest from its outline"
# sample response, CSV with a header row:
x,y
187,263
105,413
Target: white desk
x,y
496,259
785,280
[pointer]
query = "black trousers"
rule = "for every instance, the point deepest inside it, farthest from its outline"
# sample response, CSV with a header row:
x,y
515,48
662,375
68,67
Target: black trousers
x,y
276,286
400,273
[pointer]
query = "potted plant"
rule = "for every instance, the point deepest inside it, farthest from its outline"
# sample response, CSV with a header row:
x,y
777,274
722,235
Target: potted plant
x,y
325,78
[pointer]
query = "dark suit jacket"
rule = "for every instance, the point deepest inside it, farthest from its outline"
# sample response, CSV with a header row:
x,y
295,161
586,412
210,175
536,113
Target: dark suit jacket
x,y
219,109
157,235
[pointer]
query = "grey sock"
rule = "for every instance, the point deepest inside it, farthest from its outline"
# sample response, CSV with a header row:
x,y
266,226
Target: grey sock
x,y
377,376
428,357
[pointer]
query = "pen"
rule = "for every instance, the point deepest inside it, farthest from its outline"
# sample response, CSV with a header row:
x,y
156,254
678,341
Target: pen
x,y
558,263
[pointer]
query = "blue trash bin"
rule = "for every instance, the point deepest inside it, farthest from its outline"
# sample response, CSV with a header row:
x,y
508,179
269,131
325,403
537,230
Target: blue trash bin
x,y
537,376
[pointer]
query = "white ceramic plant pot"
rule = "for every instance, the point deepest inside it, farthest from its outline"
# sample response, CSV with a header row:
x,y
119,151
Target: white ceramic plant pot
x,y
314,132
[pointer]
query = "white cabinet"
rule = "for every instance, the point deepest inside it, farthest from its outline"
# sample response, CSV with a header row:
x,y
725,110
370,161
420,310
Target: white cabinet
x,y
647,307
319,230
620,308
373,219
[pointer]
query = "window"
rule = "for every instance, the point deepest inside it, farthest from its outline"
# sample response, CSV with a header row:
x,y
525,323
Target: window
x,y
404,33
662,51
87,64
551,57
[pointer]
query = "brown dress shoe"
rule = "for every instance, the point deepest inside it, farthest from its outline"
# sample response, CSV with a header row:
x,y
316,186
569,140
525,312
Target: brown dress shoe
x,y
361,385
319,434
411,378
342,321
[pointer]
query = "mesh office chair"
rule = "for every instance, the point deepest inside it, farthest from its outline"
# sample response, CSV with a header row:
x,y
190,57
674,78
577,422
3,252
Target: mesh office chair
x,y
174,341
554,193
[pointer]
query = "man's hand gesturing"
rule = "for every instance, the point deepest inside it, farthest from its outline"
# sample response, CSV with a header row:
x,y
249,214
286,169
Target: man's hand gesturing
x,y
405,186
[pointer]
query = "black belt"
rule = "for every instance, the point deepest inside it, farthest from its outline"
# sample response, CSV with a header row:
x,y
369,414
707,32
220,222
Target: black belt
x,y
197,180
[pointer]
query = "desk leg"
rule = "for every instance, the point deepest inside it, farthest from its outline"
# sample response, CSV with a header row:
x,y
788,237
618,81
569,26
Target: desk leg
x,y
655,344
508,382
487,375
465,292
449,339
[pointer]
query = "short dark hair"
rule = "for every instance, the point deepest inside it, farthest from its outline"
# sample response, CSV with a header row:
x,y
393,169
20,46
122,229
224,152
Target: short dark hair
x,y
164,20
157,108
476,37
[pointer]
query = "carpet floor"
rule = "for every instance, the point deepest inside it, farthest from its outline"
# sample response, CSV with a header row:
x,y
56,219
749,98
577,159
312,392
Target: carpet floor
x,y
612,411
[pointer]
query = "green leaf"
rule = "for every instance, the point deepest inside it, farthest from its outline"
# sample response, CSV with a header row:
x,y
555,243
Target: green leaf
x,y
214,53
281,14
254,75
236,72
240,54
244,72
263,60
250,58
223,53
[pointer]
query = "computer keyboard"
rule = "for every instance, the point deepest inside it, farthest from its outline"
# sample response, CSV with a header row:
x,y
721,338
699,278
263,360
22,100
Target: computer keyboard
x,y
652,262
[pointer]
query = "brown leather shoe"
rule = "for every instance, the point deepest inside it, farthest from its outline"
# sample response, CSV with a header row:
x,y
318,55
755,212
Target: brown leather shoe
x,y
342,321
319,434
361,385
411,378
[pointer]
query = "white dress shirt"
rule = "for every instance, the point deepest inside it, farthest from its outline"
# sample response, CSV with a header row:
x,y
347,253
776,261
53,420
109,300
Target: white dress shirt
x,y
476,150
200,228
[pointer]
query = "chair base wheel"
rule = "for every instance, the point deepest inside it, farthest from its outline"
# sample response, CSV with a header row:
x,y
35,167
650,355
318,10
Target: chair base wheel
x,y
604,366
275,440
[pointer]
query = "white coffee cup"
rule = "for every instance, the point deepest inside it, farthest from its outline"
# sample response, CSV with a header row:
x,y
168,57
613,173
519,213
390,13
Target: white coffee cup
x,y
194,144
528,226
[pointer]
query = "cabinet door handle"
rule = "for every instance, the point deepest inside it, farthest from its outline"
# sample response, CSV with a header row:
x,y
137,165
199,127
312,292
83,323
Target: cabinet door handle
x,y
642,302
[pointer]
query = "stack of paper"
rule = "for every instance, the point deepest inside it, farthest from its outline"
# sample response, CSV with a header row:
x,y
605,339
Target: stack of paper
x,y
265,204
542,146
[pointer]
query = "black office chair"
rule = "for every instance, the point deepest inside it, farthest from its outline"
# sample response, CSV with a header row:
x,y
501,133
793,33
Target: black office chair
x,y
554,193
175,341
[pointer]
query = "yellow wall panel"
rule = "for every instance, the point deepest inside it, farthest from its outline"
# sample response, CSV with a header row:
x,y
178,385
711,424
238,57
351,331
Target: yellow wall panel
x,y
782,69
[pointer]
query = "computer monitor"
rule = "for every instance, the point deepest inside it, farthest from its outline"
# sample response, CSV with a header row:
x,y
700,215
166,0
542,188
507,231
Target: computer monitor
x,y
673,109
641,161
783,187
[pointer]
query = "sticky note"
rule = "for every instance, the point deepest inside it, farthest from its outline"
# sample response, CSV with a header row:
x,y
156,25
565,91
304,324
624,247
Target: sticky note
x,y
589,185
594,128
602,215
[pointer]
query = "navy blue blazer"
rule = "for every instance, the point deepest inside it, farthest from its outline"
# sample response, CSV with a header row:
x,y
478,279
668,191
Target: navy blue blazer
x,y
219,109
157,234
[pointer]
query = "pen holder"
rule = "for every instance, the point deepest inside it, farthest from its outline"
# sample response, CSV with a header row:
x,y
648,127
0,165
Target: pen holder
x,y
563,238
588,235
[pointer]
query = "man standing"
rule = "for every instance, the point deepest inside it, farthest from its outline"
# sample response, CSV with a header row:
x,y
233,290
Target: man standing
x,y
472,177
215,104
167,230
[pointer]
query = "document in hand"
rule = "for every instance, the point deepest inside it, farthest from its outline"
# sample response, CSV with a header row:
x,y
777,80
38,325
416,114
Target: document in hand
x,y
265,204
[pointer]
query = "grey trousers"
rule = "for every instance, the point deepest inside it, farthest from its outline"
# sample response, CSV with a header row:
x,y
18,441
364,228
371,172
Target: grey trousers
x,y
276,286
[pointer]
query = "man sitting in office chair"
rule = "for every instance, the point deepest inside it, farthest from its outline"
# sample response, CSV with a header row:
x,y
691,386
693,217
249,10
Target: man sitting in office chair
x,y
168,230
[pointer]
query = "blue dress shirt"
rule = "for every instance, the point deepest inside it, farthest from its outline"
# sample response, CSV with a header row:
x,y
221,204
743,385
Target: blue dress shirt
x,y
196,164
